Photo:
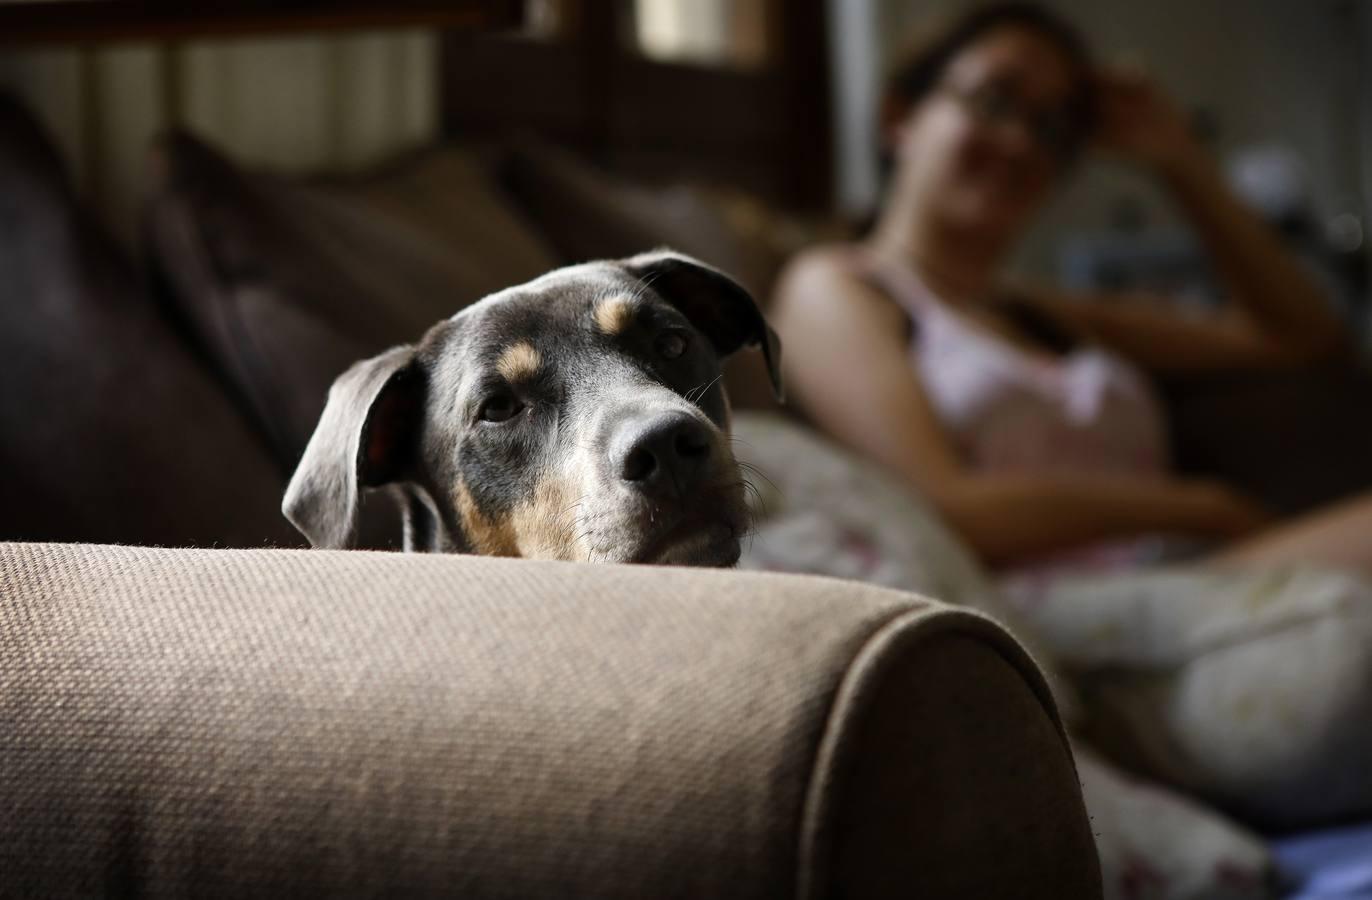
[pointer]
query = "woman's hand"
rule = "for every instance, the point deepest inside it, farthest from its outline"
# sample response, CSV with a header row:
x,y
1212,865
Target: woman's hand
x,y
1284,315
1142,125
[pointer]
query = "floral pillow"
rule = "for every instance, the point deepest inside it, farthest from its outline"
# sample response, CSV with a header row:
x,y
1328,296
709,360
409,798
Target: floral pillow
x,y
821,510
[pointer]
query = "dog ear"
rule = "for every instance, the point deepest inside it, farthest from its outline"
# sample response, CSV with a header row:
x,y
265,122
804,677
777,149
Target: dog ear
x,y
365,438
715,304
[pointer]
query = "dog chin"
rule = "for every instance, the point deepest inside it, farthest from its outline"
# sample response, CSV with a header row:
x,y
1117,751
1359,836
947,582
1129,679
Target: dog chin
x,y
714,545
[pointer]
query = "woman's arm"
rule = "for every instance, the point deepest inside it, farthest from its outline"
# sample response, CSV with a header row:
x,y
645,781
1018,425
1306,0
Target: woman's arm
x,y
848,367
1278,315
1150,331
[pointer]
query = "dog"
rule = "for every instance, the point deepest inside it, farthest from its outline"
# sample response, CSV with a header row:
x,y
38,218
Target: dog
x,y
579,416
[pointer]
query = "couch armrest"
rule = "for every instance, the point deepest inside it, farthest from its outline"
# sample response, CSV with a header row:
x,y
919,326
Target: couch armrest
x,y
193,722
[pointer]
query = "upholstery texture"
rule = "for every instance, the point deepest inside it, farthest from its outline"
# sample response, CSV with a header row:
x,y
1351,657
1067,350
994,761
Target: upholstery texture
x,y
200,723
109,429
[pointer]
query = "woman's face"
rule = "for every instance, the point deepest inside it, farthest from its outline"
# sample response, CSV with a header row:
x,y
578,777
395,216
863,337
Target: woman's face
x,y
982,150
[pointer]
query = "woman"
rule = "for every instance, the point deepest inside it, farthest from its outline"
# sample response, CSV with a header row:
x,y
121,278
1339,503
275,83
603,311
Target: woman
x,y
1024,414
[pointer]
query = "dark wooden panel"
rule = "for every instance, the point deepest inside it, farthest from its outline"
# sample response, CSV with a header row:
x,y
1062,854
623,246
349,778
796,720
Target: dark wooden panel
x,y
674,122
657,103
497,87
93,21
804,47
765,129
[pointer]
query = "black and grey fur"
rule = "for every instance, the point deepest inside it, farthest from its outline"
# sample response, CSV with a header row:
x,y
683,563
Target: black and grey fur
x,y
580,416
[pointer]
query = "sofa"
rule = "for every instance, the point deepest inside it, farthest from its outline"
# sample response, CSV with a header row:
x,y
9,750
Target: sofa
x,y
193,705
215,722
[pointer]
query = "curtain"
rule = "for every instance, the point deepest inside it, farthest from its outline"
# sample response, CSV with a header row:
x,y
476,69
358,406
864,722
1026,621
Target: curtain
x,y
295,104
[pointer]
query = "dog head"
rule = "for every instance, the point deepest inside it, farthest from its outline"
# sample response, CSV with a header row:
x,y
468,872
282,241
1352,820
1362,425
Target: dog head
x,y
580,416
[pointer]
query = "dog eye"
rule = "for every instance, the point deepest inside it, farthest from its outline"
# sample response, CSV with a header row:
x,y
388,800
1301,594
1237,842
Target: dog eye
x,y
499,408
671,344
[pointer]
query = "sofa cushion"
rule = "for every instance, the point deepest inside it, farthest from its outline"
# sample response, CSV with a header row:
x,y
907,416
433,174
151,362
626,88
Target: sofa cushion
x,y
286,283
342,723
109,428
1294,439
587,213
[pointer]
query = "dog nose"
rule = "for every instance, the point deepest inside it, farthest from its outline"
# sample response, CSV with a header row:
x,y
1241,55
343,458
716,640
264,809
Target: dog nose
x,y
669,451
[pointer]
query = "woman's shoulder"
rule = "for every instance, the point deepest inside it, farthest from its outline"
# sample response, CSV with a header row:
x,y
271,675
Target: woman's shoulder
x,y
825,285
816,273
833,256
815,261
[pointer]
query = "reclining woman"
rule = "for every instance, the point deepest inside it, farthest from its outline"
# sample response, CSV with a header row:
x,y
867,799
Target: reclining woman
x,y
1023,413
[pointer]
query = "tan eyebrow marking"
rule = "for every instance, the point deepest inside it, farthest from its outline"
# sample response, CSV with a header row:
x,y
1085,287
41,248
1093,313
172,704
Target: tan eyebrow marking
x,y
519,362
615,314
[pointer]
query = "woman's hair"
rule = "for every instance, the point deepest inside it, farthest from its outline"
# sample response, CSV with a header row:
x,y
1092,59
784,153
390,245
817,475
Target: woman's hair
x,y
920,69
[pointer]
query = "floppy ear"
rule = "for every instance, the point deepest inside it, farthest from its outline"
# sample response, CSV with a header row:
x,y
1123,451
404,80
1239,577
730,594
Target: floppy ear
x,y
365,438
716,304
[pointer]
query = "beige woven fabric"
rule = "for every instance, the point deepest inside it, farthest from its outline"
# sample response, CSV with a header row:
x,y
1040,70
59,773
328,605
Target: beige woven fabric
x,y
200,722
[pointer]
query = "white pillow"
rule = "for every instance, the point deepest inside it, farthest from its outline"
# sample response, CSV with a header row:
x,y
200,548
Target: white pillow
x,y
1252,688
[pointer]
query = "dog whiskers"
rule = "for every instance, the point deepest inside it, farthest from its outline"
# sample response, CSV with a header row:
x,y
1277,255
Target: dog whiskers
x,y
692,396
749,467
752,490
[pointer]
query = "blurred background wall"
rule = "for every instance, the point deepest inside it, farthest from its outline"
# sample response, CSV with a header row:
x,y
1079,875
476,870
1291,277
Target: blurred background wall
x,y
1289,79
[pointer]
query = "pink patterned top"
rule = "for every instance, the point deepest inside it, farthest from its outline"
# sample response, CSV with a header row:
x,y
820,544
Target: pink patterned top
x,y
1011,409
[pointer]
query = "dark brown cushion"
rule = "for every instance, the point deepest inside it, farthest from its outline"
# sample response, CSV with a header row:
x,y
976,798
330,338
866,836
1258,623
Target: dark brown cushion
x,y
287,283
110,430
1295,440
586,213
